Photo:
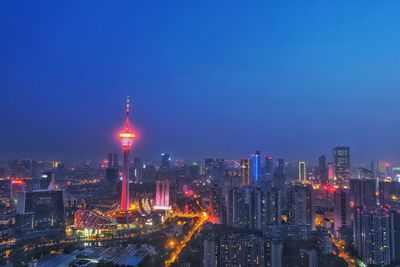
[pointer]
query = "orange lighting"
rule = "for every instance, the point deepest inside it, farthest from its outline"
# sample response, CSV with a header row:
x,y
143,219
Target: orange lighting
x,y
127,135
17,182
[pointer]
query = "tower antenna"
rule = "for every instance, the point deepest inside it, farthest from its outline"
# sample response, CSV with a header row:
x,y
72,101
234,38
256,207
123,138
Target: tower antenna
x,y
128,106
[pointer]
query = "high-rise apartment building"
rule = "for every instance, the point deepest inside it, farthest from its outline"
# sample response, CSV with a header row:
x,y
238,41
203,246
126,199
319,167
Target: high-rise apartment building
x,y
341,157
209,167
245,171
372,236
342,211
269,168
216,204
364,192
301,210
241,250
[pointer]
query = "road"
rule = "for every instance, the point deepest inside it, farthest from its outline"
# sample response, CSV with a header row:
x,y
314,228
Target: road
x,y
183,243
340,244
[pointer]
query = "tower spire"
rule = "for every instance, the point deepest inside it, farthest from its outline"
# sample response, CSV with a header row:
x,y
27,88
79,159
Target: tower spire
x,y
128,106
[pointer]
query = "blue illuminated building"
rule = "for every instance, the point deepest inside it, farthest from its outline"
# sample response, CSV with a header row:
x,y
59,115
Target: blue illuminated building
x,y
255,167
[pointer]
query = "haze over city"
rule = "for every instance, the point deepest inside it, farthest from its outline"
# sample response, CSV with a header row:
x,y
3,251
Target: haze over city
x,y
206,79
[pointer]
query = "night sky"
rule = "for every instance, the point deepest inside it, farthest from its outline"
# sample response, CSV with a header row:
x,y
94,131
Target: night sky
x,y
207,78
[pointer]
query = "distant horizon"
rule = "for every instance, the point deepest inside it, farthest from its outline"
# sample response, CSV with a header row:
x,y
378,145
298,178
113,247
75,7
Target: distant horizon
x,y
155,160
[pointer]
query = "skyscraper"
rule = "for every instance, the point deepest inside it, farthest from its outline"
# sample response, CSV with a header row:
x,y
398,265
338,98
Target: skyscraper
x,y
208,167
238,209
162,194
164,171
270,208
245,171
211,251
112,169
138,168
165,160
40,215
342,210
341,157
115,161
219,170
301,210
364,192
110,160
395,235
17,185
255,168
322,169
302,171
269,168
216,203
372,236
331,171
279,174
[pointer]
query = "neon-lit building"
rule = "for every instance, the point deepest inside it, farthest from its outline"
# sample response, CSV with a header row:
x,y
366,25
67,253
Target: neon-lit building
x,y
92,222
256,167
126,137
162,194
331,171
17,186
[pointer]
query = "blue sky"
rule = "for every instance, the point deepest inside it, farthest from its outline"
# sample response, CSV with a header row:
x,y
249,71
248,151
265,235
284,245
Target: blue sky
x,y
290,78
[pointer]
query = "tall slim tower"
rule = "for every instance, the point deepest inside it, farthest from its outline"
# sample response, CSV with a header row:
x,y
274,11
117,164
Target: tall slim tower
x,y
302,171
245,171
126,137
255,168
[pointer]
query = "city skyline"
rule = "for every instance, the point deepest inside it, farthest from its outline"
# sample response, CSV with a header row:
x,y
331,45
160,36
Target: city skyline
x,y
292,88
199,134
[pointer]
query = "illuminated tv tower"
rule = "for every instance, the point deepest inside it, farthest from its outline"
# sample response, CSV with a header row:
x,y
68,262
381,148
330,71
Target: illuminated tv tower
x,y
126,137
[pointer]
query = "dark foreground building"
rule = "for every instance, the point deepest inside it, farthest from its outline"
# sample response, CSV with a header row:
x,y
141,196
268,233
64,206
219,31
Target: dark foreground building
x,y
241,250
40,216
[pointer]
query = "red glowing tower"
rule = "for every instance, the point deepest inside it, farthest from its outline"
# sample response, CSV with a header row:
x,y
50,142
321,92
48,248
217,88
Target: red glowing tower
x,y
126,137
